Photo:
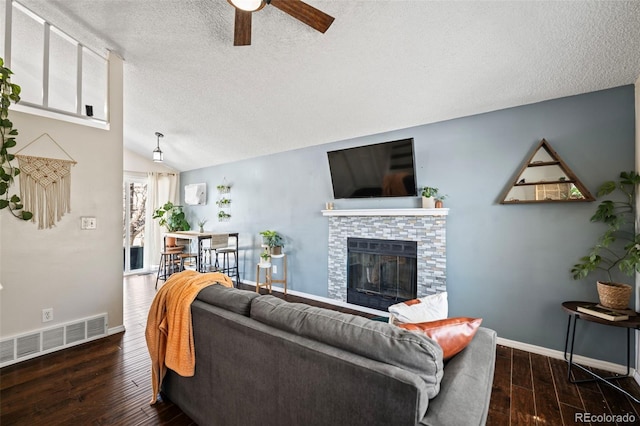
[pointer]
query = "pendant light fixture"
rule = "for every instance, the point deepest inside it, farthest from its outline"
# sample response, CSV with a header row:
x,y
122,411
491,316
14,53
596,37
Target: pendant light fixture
x,y
157,153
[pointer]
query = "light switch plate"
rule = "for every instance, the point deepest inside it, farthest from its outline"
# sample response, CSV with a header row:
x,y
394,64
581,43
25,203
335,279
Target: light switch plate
x,y
88,222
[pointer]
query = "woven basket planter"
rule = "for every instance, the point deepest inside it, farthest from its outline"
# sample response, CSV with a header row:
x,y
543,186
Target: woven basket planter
x,y
614,295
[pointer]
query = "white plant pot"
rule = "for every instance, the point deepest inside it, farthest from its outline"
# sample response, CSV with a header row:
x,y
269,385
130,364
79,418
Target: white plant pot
x,y
428,203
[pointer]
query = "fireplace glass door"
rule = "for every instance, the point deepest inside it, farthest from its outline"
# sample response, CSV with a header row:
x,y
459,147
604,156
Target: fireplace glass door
x,y
381,272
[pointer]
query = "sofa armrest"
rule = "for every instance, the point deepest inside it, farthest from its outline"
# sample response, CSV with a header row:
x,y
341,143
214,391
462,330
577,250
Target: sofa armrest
x,y
465,390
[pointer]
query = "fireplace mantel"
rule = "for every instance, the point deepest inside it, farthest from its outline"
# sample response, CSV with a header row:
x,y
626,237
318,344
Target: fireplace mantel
x,y
386,212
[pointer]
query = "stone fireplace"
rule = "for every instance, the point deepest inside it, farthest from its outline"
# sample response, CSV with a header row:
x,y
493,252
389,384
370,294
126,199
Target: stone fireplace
x,y
425,227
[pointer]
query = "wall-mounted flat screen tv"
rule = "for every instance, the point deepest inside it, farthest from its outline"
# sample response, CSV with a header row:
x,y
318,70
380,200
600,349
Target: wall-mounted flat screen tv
x,y
380,170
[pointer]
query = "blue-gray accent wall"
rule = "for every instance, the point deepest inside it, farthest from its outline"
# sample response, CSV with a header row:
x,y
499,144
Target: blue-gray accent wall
x,y
508,264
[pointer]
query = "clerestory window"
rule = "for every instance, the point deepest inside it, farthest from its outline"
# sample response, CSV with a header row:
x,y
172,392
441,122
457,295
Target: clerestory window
x,y
56,72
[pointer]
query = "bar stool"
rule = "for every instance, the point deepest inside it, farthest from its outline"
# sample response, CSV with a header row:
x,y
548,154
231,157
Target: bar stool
x,y
187,259
227,269
169,263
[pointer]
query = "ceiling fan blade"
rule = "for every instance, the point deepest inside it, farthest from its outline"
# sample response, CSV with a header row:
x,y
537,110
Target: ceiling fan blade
x,y
242,29
311,16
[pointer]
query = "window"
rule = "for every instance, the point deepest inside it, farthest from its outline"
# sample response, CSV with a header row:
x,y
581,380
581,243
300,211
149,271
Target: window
x,y
63,63
27,51
134,197
56,72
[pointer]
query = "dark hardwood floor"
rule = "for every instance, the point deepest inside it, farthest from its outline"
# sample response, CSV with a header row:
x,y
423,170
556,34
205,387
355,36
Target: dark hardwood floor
x,y
106,382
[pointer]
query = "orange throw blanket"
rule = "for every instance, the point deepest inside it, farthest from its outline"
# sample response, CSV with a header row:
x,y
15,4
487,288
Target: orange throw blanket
x,y
169,330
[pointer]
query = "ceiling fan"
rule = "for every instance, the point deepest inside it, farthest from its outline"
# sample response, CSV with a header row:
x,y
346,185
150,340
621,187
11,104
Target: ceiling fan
x,y
298,9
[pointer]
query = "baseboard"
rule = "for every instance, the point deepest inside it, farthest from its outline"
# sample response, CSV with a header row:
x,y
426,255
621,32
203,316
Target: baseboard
x,y
583,360
116,330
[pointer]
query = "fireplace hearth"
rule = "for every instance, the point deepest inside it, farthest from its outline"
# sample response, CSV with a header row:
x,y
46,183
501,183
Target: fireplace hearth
x,y
381,272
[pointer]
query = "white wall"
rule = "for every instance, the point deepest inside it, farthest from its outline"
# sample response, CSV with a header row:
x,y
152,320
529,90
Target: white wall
x,y
77,273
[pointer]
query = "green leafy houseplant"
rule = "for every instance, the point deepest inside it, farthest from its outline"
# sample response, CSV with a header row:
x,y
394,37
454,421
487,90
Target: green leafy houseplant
x,y
172,217
429,195
9,93
273,240
223,189
619,246
428,192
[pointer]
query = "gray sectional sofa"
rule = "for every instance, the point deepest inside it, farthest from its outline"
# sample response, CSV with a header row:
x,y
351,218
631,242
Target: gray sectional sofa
x,y
263,361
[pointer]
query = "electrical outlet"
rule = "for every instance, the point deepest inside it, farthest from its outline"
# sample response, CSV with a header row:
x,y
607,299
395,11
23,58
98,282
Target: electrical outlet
x,y
275,269
47,315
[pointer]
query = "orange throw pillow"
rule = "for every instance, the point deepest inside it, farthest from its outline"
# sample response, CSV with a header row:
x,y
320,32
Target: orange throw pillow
x,y
452,334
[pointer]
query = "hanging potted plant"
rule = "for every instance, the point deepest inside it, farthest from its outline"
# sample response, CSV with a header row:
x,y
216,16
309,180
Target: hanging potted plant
x,y
9,93
619,246
172,217
428,197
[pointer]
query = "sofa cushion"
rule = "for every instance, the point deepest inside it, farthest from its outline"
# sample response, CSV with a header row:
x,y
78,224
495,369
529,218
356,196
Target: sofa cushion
x,y
372,339
231,299
452,334
428,308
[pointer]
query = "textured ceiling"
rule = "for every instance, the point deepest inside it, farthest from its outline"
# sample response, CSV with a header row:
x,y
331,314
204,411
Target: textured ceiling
x,y
383,65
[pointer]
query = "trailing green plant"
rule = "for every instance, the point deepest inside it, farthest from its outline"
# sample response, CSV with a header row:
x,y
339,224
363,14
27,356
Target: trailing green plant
x,y
172,217
223,189
272,238
224,202
619,246
428,191
9,93
222,215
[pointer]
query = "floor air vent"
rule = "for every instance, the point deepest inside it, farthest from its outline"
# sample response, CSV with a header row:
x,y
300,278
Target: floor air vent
x,y
28,345
7,350
53,338
40,342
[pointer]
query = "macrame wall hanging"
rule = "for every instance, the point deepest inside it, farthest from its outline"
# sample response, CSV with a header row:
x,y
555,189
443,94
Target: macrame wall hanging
x,y
45,185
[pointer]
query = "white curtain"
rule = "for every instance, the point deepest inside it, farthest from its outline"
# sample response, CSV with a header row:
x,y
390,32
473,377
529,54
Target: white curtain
x,y
161,187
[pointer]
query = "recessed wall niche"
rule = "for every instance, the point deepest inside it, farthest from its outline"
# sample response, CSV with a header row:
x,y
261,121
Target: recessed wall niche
x,y
545,178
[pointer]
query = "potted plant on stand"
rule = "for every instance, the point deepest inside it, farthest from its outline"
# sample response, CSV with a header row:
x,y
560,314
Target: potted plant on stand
x,y
273,241
619,246
428,197
173,219
264,259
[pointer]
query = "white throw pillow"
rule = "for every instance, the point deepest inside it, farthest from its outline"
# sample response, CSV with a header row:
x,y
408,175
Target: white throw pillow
x,y
429,308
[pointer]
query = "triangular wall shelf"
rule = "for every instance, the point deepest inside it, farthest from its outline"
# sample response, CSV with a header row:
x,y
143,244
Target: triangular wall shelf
x,y
545,178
